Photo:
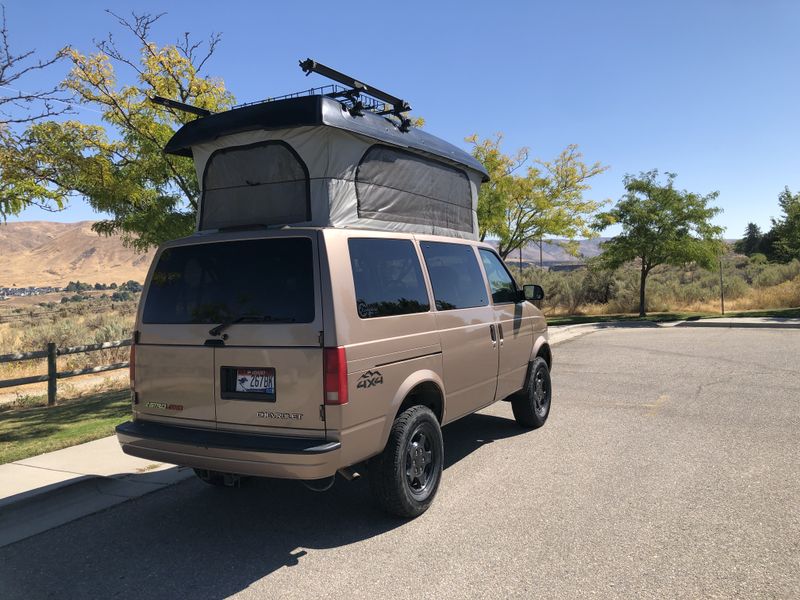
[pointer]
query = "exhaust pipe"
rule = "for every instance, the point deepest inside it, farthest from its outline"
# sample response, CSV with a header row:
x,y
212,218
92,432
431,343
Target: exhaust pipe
x,y
320,485
349,473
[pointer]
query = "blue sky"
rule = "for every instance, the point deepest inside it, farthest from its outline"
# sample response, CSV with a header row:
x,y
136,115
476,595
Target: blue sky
x,y
708,89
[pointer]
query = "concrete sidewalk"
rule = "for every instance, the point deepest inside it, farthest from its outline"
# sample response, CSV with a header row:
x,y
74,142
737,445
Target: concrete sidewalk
x,y
42,492
562,333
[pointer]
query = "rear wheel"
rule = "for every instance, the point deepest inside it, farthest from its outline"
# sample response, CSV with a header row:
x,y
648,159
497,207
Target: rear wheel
x,y
405,476
532,405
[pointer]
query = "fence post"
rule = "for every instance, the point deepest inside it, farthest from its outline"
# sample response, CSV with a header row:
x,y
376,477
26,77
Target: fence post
x,y
51,373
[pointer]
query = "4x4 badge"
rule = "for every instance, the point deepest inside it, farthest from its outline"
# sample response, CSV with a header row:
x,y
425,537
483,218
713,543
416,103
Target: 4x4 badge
x,y
369,379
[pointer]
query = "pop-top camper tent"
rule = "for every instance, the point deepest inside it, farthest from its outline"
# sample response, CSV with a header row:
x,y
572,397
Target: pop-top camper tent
x,y
328,159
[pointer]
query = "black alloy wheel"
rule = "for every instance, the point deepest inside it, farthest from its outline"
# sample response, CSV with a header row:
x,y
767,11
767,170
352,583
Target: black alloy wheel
x,y
405,476
531,406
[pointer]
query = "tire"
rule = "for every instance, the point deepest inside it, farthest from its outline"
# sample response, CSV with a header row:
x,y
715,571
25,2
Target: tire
x,y
405,476
532,405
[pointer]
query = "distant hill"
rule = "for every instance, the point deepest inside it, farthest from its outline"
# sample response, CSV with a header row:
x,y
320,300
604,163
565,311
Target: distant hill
x,y
552,253
40,253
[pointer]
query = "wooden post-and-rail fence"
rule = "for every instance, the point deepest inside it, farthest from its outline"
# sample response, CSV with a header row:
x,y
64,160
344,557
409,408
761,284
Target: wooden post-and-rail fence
x,y
53,375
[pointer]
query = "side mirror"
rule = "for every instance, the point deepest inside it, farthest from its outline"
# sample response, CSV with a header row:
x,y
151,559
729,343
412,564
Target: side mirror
x,y
533,292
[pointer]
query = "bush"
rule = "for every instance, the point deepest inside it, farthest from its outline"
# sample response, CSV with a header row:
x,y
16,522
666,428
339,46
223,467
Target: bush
x,y
131,286
77,286
64,332
599,286
777,274
749,284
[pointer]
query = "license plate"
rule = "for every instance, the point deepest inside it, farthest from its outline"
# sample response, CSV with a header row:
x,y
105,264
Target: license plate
x,y
256,381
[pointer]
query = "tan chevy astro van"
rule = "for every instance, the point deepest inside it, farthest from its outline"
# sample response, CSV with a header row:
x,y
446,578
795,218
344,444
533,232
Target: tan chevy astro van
x,y
334,309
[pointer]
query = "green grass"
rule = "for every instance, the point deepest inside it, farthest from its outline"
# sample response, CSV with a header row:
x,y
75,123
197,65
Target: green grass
x,y
31,431
672,316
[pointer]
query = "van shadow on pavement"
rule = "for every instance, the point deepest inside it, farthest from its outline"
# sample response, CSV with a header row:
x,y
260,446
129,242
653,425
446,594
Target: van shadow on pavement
x,y
196,541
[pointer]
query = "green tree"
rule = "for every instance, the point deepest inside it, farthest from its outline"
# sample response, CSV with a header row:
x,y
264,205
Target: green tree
x,y
751,242
20,108
660,225
119,167
785,233
522,204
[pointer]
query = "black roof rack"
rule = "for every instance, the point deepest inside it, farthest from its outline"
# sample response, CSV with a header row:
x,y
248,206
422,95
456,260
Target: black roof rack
x,y
357,90
354,94
352,106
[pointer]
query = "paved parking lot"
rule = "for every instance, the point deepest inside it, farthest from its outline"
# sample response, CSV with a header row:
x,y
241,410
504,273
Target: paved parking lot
x,y
670,467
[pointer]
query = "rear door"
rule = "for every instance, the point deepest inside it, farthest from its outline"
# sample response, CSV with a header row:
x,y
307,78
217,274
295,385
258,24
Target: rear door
x,y
174,368
269,366
230,332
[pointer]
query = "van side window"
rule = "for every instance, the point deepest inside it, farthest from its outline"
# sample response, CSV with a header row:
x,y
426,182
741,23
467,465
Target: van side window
x,y
388,278
397,185
262,183
500,281
455,275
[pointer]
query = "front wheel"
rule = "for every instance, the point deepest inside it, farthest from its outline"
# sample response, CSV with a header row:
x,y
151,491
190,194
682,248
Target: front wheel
x,y
532,405
405,476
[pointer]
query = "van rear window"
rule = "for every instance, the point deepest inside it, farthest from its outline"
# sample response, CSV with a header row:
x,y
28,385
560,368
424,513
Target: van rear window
x,y
253,280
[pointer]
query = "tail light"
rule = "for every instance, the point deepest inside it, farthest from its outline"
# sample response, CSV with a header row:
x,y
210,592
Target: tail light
x,y
132,366
334,362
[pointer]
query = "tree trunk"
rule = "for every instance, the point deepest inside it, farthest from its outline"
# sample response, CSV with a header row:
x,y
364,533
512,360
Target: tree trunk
x,y
642,282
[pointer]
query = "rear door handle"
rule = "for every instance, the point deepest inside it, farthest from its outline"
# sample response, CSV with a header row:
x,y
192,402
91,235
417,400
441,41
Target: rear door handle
x,y
493,333
500,328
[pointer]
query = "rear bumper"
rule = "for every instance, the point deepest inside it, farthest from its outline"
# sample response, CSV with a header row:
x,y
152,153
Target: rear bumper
x,y
229,452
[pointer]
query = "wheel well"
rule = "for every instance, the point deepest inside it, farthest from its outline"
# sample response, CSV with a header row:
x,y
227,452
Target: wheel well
x,y
427,394
545,353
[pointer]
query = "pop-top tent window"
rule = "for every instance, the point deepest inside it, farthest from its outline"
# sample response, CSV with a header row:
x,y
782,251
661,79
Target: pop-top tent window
x,y
264,183
400,186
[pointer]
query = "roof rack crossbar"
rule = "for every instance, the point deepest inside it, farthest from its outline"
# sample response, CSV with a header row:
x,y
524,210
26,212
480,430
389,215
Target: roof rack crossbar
x,y
182,106
398,104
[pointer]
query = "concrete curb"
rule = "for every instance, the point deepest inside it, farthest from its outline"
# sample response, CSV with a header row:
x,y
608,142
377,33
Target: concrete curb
x,y
562,333
744,324
24,515
48,490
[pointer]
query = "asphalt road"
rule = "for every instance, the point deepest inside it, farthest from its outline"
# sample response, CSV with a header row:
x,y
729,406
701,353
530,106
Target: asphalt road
x,y
670,467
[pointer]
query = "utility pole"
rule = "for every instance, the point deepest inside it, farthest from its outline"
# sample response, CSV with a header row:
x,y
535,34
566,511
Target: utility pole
x,y
721,287
541,264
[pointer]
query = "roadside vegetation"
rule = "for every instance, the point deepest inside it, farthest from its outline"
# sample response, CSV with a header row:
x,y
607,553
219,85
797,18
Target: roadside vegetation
x,y
33,431
748,284
92,321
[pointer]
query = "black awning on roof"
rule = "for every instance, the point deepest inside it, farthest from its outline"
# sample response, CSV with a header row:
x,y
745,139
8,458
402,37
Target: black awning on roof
x,y
314,111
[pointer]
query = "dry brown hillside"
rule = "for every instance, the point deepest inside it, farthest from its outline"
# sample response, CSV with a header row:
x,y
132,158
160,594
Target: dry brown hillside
x,y
44,253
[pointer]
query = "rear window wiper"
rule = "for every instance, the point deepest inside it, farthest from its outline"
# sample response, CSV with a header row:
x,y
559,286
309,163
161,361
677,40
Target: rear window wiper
x,y
249,319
